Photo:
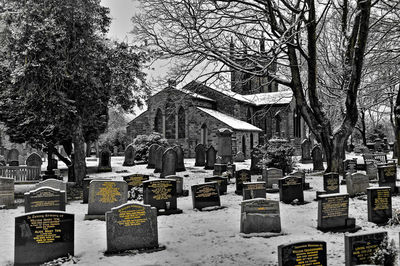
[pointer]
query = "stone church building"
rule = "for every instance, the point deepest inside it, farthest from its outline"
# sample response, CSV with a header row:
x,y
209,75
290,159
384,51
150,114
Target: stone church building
x,y
254,108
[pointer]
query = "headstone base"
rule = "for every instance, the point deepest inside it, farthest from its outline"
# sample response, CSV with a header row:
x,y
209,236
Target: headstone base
x,y
219,169
168,212
263,235
104,169
131,252
128,164
211,208
185,193
319,193
272,190
89,217
350,227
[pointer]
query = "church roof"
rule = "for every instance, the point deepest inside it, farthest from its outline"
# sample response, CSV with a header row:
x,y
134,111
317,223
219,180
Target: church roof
x,y
270,98
229,120
196,95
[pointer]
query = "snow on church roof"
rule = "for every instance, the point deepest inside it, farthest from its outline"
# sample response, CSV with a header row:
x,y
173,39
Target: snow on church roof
x,y
270,98
229,120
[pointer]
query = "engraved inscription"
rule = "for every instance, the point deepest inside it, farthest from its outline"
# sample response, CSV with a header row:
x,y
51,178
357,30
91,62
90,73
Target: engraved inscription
x,y
161,190
108,192
335,207
132,216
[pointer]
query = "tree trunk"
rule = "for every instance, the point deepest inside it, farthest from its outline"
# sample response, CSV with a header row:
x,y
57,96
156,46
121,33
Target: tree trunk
x,y
397,124
363,129
88,148
79,162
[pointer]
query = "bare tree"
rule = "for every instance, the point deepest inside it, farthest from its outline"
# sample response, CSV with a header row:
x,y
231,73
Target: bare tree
x,y
203,30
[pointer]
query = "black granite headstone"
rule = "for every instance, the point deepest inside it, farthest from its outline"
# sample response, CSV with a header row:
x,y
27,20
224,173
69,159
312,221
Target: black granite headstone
x,y
44,198
290,189
151,160
316,153
255,156
205,195
135,180
331,183
254,190
43,236
180,159
306,151
379,204
169,162
161,194
211,157
158,159
242,176
222,183
105,161
200,151
387,176
303,253
260,216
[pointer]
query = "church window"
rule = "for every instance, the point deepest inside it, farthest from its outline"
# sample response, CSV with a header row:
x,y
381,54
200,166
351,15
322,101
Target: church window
x,y
278,120
244,145
204,133
251,141
158,122
181,122
170,120
297,123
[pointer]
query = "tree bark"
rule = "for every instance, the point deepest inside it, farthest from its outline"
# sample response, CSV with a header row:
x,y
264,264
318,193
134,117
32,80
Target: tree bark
x,y
79,162
397,124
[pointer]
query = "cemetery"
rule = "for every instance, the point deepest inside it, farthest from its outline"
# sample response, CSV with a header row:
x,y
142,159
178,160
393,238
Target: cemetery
x,y
138,132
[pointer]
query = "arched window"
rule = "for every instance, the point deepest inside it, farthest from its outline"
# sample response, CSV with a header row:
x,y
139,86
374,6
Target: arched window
x,y
251,141
158,122
249,116
278,120
204,134
170,120
244,145
297,123
181,123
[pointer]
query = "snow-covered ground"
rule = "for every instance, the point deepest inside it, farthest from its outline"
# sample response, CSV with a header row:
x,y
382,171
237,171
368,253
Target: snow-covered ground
x,y
204,238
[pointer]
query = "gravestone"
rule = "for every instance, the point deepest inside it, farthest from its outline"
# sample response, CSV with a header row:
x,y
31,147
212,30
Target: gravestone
x,y
290,189
130,154
301,174
222,183
105,161
205,196
169,162
272,176
131,226
359,248
349,166
44,198
104,195
211,157
333,213
239,157
357,184
85,187
225,145
255,158
7,192
200,151
371,169
43,236
303,253
379,204
12,157
180,159
34,159
161,194
254,190
151,160
260,216
331,183
306,151
387,175
220,168
395,153
317,160
179,185
53,183
158,159
135,180
241,176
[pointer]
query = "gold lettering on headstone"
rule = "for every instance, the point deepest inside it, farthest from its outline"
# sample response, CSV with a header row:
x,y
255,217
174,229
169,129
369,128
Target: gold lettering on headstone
x,y
45,227
254,186
132,217
390,171
243,177
162,190
334,207
364,253
108,192
332,184
206,191
308,254
291,182
45,203
381,201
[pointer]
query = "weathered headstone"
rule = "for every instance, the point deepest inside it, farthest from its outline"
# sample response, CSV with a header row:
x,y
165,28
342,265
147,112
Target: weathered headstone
x,y
371,169
180,159
333,213
222,183
359,248
260,216
379,204
318,164
242,176
131,226
255,157
220,168
225,145
12,157
104,195
200,151
161,194
272,176
53,183
357,184
151,160
290,189
254,190
43,236
205,196
179,185
158,159
306,151
135,180
349,166
7,192
211,157
301,174
303,253
34,159
169,162
105,161
387,176
44,198
130,154
85,187
239,157
331,183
